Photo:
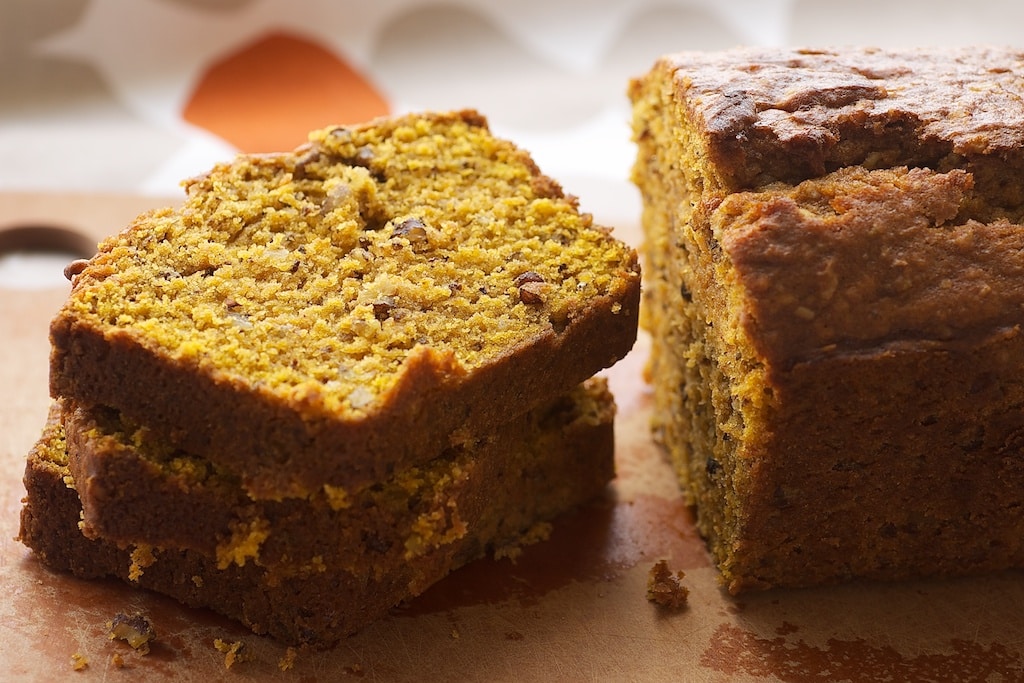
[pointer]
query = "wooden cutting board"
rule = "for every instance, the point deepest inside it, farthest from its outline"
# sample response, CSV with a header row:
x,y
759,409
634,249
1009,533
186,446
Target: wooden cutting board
x,y
572,608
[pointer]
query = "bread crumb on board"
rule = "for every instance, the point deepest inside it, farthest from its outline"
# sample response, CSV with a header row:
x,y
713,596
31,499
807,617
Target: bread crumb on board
x,y
235,652
135,629
288,661
79,662
665,589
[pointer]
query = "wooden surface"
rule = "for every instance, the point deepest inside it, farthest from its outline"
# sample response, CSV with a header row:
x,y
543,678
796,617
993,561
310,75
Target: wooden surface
x,y
571,608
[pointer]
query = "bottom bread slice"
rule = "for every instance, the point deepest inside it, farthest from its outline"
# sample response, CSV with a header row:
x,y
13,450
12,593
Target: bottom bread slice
x,y
134,489
565,461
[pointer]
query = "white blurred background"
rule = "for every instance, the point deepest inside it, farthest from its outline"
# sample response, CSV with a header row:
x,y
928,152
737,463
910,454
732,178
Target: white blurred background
x,y
94,93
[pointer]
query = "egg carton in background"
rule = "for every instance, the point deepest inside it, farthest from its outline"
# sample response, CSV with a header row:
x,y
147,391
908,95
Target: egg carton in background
x,y
100,95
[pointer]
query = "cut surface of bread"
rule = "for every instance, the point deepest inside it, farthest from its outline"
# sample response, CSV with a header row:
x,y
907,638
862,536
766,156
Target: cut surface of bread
x,y
833,289
135,489
563,460
413,271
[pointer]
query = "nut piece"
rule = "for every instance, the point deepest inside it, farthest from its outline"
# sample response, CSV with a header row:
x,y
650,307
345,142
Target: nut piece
x,y
527,276
382,308
75,267
310,156
412,229
531,287
532,293
415,232
335,197
135,630
364,156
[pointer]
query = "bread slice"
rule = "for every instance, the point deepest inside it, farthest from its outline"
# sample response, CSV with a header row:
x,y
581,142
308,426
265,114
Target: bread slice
x,y
349,565
835,301
137,490
334,314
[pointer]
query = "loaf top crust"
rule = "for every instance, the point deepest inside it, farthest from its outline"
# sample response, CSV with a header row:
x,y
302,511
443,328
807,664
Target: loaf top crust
x,y
326,315
770,114
868,261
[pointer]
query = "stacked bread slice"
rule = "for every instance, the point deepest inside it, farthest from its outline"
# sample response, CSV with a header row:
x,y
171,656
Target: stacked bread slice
x,y
331,377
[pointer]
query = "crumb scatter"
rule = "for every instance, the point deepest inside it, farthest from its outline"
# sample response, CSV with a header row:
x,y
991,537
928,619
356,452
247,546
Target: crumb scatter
x,y
665,589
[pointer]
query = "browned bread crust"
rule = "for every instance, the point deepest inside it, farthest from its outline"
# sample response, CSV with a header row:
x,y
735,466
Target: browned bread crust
x,y
135,490
412,271
563,460
766,114
835,300
910,273
890,437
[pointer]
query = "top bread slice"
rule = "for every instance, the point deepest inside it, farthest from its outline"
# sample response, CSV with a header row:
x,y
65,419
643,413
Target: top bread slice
x,y
749,117
325,316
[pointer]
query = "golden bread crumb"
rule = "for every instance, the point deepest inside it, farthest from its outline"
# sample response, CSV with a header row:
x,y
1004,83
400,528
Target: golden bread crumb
x,y
245,542
235,652
664,588
288,660
142,556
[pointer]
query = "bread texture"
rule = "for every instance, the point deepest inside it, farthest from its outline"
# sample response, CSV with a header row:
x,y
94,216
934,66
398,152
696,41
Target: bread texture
x,y
414,271
137,490
352,561
833,288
